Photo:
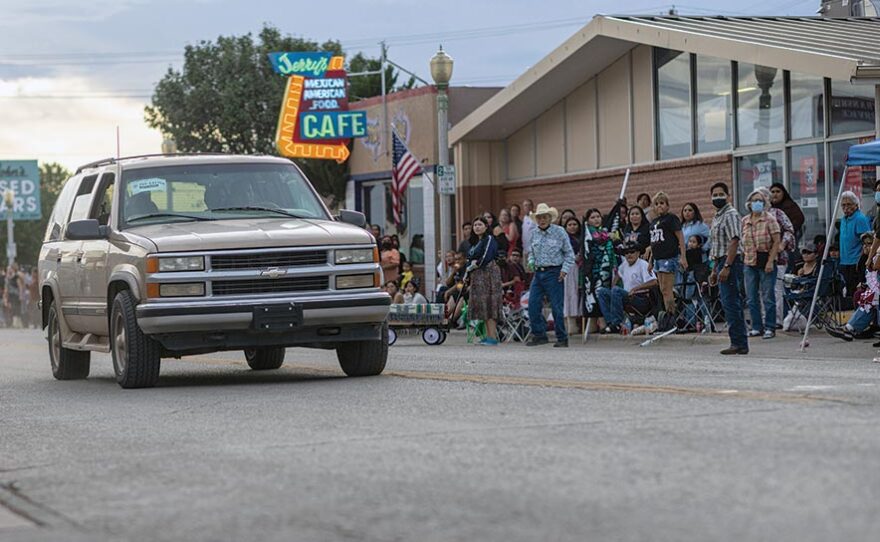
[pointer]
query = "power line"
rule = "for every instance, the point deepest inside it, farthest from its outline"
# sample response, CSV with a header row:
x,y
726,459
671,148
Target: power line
x,y
75,97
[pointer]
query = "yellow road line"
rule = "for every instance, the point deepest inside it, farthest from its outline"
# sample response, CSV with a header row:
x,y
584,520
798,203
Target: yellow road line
x,y
749,395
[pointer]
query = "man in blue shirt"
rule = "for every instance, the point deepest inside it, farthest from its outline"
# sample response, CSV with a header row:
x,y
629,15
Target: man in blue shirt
x,y
551,258
852,225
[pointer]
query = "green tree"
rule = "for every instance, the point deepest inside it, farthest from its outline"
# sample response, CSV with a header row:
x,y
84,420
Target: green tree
x,y
29,233
227,98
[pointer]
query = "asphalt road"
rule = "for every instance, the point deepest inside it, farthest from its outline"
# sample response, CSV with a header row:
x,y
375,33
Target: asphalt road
x,y
606,441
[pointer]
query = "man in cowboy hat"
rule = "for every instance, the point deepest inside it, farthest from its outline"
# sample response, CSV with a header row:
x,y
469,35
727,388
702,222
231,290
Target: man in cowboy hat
x,y
551,258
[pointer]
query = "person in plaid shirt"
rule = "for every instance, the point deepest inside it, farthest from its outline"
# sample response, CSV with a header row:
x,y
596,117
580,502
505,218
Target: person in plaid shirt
x,y
726,253
761,241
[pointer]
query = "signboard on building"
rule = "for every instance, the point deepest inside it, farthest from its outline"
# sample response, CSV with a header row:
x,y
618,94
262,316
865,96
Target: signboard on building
x,y
808,175
22,177
853,181
763,174
315,121
445,176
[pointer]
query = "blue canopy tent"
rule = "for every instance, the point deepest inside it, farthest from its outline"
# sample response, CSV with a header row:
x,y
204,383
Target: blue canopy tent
x,y
865,154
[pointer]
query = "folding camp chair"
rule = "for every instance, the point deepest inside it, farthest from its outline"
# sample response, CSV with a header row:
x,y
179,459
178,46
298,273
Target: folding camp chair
x,y
799,296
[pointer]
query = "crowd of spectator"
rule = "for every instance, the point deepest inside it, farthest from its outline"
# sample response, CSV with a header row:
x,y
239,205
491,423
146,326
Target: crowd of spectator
x,y
21,294
592,269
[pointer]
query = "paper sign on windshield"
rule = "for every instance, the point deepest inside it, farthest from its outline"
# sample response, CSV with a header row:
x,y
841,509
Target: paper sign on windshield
x,y
147,185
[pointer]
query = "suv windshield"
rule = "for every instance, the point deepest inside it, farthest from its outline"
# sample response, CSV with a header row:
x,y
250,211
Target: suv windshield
x,y
216,192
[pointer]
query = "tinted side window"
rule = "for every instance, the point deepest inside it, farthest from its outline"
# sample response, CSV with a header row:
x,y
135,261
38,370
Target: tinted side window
x,y
58,220
83,201
103,199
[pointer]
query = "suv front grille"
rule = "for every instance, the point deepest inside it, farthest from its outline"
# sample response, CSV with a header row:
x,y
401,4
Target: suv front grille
x,y
264,260
269,286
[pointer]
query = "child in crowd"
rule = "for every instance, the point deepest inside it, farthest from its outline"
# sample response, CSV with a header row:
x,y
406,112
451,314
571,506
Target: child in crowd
x,y
392,290
407,274
411,295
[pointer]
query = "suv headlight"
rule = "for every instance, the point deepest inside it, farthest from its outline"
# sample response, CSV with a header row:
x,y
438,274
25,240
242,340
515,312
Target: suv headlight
x,y
355,255
175,263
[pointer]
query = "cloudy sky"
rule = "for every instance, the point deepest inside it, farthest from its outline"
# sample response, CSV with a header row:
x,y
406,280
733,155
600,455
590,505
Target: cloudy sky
x,y
72,70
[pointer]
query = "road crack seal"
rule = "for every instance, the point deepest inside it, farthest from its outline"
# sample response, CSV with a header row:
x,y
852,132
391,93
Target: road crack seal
x,y
39,514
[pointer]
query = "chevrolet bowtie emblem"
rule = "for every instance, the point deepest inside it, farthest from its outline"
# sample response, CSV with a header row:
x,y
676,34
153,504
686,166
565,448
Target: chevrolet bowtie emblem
x,y
274,272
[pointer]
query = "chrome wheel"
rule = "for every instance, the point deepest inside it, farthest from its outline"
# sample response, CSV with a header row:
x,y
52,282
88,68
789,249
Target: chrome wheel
x,y
54,340
120,344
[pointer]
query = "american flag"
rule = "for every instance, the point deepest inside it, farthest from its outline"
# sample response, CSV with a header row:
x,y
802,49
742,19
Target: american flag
x,y
403,167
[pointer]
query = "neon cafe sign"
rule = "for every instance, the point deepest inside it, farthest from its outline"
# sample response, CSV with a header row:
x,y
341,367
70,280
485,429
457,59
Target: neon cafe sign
x,y
315,121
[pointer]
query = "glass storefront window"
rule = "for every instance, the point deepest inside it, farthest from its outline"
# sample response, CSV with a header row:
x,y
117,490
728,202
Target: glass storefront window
x,y
852,107
373,198
673,76
807,187
760,112
858,179
713,104
807,106
415,231
755,171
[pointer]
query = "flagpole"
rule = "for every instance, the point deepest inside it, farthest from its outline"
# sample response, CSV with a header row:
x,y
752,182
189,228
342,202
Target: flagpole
x,y
430,248
805,342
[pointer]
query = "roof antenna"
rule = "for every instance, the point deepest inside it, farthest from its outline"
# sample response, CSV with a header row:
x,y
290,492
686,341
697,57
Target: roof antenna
x,y
117,142
672,10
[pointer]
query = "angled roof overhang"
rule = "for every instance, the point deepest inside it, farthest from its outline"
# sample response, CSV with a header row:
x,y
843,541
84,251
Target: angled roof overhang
x,y
844,49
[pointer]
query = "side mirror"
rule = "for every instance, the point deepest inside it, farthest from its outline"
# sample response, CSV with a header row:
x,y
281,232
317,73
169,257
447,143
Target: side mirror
x,y
353,217
86,230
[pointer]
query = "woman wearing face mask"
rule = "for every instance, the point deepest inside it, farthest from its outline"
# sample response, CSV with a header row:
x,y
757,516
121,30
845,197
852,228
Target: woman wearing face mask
x,y
390,259
761,242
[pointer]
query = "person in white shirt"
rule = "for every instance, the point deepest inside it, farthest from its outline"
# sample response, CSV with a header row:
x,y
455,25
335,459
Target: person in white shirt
x,y
444,273
411,295
636,278
528,227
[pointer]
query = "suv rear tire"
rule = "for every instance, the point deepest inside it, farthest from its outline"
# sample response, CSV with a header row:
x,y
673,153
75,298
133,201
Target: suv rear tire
x,y
265,358
136,357
364,358
67,364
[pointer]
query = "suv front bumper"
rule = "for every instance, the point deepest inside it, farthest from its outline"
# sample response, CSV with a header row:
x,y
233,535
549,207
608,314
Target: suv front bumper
x,y
333,310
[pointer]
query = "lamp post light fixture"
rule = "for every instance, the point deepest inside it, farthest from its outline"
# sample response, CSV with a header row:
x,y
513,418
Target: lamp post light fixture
x,y
441,72
169,146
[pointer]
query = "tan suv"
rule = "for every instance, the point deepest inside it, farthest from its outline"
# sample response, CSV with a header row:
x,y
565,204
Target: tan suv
x,y
165,256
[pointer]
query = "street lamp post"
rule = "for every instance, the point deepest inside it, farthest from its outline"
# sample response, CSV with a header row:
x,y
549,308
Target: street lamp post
x,y
11,252
441,72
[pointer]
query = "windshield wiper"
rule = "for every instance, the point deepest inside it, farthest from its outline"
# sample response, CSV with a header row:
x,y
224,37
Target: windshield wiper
x,y
163,215
258,208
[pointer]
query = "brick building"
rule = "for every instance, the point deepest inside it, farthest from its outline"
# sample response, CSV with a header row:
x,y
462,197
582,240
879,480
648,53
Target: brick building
x,y
684,102
412,114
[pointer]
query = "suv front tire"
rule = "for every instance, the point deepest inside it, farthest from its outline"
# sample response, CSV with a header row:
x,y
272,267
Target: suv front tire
x,y
364,358
136,356
67,364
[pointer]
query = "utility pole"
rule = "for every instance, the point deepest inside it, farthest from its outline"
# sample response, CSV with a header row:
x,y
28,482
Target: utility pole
x,y
387,125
